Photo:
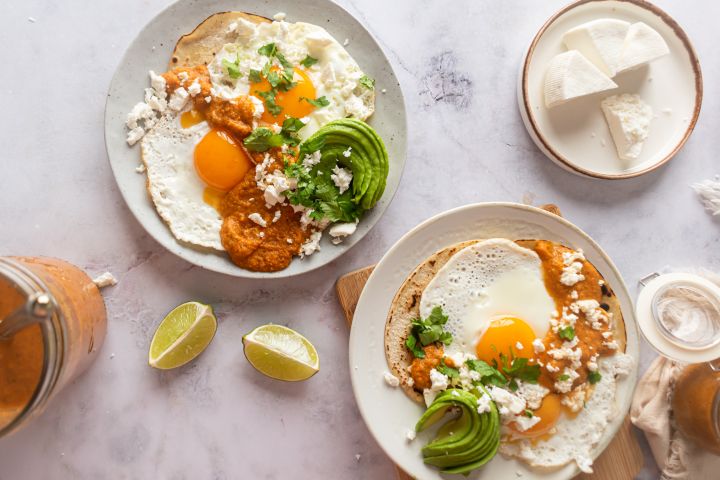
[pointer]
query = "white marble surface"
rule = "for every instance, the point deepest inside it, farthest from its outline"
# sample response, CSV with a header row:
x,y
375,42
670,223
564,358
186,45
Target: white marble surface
x,y
218,418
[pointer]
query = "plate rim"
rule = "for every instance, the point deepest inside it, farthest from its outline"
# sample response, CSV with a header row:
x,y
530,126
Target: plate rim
x,y
178,248
546,147
629,315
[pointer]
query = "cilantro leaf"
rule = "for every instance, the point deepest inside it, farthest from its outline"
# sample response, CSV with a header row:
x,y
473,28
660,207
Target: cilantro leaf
x,y
255,76
566,333
262,139
411,344
268,50
233,68
309,61
430,330
521,370
513,385
594,377
318,102
488,375
292,125
564,377
270,105
367,82
282,60
445,370
529,413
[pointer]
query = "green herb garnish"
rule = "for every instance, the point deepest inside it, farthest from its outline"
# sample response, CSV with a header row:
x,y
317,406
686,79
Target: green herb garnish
x,y
566,333
269,50
318,102
529,413
488,375
367,82
262,139
233,68
308,61
427,331
445,370
519,368
594,377
255,76
564,377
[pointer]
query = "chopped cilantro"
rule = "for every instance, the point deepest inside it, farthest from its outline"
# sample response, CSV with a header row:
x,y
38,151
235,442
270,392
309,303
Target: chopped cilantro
x,y
519,369
309,62
445,370
566,333
255,76
269,50
269,98
529,413
427,331
262,139
411,344
594,377
233,68
513,385
564,377
318,102
488,375
367,82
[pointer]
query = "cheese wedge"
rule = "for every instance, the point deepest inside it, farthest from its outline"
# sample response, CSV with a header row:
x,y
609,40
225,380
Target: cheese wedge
x,y
571,75
643,44
629,120
601,41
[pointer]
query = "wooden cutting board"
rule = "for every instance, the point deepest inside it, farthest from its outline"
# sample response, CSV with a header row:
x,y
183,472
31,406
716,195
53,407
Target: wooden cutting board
x,y
621,460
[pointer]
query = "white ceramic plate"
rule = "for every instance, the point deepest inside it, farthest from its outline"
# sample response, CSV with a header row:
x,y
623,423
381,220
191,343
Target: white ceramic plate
x,y
575,134
151,50
388,412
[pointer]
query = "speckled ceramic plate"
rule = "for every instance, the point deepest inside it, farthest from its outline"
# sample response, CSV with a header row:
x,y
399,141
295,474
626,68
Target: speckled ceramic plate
x,y
575,135
151,50
388,412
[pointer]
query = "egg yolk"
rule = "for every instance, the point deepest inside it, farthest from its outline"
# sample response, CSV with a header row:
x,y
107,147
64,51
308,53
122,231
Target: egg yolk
x,y
219,161
549,412
292,102
502,337
190,118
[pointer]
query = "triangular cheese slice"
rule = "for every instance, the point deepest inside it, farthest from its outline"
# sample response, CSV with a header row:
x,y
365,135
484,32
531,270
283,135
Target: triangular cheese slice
x,y
571,75
601,41
629,120
642,45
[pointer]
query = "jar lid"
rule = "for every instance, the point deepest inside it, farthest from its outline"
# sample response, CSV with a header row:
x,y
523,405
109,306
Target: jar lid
x,y
679,315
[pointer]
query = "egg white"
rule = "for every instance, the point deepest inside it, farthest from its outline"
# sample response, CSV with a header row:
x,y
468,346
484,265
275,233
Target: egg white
x,y
485,281
335,76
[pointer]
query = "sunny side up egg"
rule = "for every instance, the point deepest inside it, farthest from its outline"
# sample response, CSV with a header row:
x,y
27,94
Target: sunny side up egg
x,y
494,295
335,75
190,167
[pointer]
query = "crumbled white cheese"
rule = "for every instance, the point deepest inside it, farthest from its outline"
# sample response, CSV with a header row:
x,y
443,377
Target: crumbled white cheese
x,y
438,380
574,294
411,434
538,345
564,386
311,245
339,231
346,42
519,345
280,16
572,266
341,177
289,241
194,88
140,112
257,105
183,76
483,403
178,99
272,195
208,99
347,152
261,234
154,101
105,280
507,402
312,159
277,216
551,368
532,393
258,219
391,379
523,422
592,363
159,84
135,135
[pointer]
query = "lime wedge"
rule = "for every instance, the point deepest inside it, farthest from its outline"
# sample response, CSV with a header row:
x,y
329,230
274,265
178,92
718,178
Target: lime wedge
x,y
182,335
281,353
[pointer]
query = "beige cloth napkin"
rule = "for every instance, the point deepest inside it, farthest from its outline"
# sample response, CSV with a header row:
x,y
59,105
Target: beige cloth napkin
x,y
677,457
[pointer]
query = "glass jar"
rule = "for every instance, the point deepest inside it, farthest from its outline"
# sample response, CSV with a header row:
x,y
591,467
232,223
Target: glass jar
x,y
696,405
52,324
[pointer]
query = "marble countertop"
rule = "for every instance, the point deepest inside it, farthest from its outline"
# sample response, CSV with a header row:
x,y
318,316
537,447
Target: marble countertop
x,y
217,417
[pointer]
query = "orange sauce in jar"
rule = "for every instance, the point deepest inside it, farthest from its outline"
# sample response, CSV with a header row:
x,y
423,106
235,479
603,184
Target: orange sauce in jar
x,y
696,406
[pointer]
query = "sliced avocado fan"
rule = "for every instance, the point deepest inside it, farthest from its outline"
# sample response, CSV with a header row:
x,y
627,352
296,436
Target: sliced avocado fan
x,y
366,157
465,443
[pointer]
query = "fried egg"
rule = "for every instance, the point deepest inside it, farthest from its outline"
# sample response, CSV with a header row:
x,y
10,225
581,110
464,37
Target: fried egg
x,y
190,166
335,75
495,298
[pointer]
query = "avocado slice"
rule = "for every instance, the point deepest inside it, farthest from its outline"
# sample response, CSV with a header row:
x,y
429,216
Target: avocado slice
x,y
475,437
368,160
